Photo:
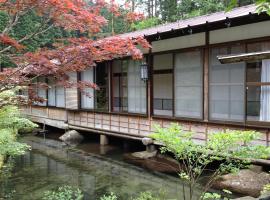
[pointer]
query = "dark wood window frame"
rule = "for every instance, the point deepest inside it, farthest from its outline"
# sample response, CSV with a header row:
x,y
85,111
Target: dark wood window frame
x,y
47,91
94,109
245,123
125,113
174,52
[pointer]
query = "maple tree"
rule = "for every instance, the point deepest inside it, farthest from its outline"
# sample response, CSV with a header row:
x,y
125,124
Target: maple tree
x,y
67,55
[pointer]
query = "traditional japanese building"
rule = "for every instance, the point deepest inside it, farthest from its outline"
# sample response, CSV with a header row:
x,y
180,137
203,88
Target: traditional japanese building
x,y
208,73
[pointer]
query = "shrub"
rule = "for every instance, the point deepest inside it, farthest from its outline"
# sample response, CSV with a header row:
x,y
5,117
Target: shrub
x,y
64,193
232,149
111,196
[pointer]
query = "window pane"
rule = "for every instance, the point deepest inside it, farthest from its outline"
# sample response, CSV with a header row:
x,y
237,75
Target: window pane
x,y
258,94
120,90
51,92
226,87
60,96
87,95
163,96
101,95
136,89
42,92
188,84
129,91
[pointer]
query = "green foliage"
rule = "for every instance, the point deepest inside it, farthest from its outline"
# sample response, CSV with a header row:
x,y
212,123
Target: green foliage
x,y
12,113
146,196
149,22
9,145
266,189
232,149
263,6
11,122
28,24
111,196
64,193
211,196
142,196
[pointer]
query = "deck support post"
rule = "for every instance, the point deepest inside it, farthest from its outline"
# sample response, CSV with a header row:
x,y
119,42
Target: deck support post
x,y
104,140
151,148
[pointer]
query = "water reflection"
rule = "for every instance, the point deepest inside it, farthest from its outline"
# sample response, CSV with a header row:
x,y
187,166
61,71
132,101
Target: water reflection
x,y
50,165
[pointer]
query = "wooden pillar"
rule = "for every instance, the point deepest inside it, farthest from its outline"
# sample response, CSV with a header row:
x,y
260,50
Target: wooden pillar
x,y
104,140
150,85
206,78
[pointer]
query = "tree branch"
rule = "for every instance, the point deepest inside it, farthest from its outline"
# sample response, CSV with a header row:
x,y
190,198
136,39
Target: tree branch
x,y
27,37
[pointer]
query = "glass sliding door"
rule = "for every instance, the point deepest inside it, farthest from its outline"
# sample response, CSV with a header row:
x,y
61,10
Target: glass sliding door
x,y
258,91
227,87
87,95
258,85
136,89
120,90
51,92
60,97
101,95
163,84
188,84
129,91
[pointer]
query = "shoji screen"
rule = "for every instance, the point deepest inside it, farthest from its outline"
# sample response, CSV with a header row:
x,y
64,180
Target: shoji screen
x,y
136,89
87,96
60,96
51,92
227,90
188,84
163,84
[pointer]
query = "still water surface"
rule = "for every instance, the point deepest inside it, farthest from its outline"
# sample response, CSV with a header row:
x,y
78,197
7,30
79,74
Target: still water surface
x,y
93,169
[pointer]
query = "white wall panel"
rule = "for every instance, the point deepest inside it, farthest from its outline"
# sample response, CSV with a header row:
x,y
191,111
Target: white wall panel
x,y
179,42
248,31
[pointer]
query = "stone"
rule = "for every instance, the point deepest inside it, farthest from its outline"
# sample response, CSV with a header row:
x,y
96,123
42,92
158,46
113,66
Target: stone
x,y
245,182
265,196
72,137
144,154
246,198
158,163
147,141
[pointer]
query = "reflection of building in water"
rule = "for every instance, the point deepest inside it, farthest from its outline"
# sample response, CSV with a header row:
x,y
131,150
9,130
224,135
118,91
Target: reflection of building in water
x,y
51,166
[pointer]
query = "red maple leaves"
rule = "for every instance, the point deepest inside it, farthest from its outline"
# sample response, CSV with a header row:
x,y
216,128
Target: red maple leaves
x,y
75,56
6,40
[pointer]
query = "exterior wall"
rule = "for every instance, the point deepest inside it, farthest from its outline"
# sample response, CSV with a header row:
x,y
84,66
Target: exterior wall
x,y
55,117
179,42
140,127
250,31
137,127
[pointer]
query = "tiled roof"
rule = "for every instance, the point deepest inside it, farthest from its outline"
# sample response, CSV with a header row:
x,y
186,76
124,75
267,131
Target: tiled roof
x,y
200,20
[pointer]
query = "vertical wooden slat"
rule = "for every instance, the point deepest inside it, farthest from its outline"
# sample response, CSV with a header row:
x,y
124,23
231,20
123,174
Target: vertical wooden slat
x,y
111,86
173,86
206,78
150,83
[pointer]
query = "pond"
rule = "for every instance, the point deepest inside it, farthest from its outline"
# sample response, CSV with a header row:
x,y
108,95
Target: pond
x,y
93,169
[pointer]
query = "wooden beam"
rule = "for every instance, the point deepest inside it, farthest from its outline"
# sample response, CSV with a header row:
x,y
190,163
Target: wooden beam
x,y
206,78
225,59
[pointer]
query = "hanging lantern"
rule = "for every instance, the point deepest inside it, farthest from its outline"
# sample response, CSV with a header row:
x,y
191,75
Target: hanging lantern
x,y
144,72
